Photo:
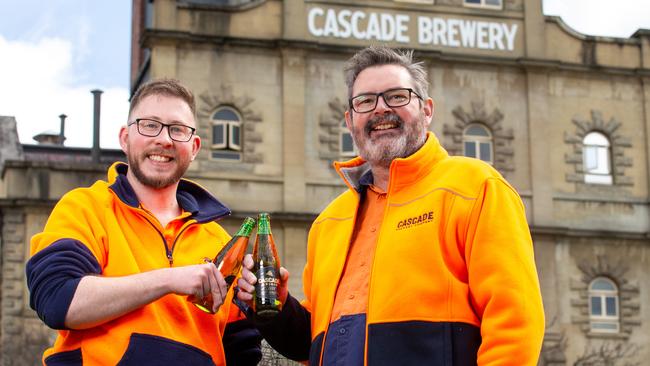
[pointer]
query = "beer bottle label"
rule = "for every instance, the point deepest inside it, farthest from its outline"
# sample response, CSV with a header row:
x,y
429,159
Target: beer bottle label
x,y
266,289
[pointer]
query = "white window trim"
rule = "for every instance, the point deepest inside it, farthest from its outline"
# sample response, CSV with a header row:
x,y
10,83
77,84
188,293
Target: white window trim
x,y
430,2
604,318
602,172
224,143
232,144
229,145
483,5
343,129
477,140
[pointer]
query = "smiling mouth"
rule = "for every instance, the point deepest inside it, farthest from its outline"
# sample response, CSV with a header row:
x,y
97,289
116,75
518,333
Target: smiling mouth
x,y
159,158
384,126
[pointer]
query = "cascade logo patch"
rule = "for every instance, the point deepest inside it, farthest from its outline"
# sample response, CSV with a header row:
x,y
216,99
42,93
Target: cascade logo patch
x,y
415,221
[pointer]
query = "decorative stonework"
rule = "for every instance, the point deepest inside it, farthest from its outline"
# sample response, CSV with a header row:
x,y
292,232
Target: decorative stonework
x,y
502,138
209,102
618,145
628,295
329,130
23,336
609,352
553,347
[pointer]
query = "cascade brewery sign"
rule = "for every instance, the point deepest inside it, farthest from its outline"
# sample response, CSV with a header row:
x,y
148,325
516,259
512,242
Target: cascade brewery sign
x,y
388,27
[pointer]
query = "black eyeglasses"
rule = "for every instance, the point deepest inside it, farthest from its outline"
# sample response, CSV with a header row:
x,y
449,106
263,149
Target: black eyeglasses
x,y
151,128
397,97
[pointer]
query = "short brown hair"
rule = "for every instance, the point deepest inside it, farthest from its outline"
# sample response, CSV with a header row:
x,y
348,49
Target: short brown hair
x,y
382,55
166,87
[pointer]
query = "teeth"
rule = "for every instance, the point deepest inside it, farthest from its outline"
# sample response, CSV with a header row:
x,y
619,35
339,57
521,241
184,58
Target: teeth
x,y
159,158
385,126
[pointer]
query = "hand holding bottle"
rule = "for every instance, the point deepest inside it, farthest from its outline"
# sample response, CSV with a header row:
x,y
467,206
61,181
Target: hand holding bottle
x,y
247,281
228,262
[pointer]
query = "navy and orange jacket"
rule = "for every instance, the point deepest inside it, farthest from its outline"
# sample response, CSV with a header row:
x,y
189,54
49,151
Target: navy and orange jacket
x,y
453,279
102,230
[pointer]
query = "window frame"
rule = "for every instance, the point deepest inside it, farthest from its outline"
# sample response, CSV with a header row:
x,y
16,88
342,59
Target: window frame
x,y
425,2
343,130
229,147
603,157
483,5
603,318
478,140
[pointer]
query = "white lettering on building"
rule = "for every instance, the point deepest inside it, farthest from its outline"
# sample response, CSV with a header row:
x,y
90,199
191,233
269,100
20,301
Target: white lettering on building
x,y
465,33
345,24
436,31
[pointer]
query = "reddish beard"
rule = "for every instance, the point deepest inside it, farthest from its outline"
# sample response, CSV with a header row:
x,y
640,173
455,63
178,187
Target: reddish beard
x,y
158,181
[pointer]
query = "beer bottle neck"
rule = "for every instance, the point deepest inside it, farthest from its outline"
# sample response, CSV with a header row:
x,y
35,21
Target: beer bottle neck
x,y
263,227
246,228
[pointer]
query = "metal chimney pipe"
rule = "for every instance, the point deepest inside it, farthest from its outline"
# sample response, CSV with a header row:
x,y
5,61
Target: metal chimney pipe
x,y
97,96
62,129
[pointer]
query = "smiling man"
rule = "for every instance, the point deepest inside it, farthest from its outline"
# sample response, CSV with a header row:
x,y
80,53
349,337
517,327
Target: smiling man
x,y
425,260
116,264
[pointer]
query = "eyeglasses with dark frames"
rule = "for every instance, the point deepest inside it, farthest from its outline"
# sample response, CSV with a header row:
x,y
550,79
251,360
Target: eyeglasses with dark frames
x,y
152,128
397,97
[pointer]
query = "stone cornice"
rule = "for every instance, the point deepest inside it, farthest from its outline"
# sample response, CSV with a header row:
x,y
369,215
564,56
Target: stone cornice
x,y
152,36
559,231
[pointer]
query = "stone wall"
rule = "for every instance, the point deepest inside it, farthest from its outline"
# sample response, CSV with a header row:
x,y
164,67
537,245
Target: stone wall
x,y
23,337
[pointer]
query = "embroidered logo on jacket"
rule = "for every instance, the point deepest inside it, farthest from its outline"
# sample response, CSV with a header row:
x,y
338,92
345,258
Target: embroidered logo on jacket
x,y
415,221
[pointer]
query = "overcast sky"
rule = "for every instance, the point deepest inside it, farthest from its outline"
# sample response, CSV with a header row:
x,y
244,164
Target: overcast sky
x,y
53,52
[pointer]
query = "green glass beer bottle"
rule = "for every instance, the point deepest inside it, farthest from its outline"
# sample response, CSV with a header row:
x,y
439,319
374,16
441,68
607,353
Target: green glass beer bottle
x,y
229,260
266,267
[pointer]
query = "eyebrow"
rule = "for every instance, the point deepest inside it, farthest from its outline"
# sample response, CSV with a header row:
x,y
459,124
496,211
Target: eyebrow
x,y
174,122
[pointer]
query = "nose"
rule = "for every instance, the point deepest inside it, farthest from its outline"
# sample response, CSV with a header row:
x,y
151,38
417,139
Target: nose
x,y
382,107
163,137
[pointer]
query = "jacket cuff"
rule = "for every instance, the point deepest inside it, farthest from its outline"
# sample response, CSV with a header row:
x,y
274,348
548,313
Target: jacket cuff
x,y
53,275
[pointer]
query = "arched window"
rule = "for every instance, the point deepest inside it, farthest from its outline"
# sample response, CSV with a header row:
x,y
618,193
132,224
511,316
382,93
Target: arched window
x,y
477,143
346,143
603,306
226,134
596,158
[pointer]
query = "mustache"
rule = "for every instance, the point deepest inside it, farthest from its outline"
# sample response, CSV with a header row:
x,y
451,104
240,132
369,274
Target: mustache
x,y
376,120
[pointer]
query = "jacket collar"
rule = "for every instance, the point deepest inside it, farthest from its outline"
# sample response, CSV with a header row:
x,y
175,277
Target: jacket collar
x,y
193,198
403,171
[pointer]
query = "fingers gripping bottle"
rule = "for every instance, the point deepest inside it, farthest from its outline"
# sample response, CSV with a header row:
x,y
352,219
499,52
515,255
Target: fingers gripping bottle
x,y
266,267
229,260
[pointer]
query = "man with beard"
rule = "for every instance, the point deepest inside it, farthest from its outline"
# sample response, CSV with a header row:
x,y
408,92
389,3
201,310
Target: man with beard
x,y
425,260
116,264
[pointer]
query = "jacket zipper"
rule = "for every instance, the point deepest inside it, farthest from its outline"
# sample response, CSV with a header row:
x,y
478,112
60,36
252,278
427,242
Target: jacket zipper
x,y
168,252
372,270
354,224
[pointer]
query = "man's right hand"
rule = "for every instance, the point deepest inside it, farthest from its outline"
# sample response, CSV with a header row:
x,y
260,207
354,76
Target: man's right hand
x,y
197,282
99,299
247,281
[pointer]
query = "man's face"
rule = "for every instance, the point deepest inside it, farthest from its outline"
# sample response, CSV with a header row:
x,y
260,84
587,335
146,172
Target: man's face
x,y
388,133
159,161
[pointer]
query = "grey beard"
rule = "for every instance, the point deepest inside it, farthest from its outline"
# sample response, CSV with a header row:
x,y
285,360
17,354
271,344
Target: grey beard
x,y
411,139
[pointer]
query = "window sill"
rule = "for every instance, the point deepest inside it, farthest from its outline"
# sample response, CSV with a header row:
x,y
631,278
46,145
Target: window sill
x,y
603,335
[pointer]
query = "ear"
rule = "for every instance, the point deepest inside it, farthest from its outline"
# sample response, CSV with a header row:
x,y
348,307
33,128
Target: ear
x,y
124,136
196,146
428,108
348,120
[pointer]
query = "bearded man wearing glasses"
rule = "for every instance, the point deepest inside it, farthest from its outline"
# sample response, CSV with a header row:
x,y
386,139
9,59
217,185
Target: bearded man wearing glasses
x,y
426,259
116,264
